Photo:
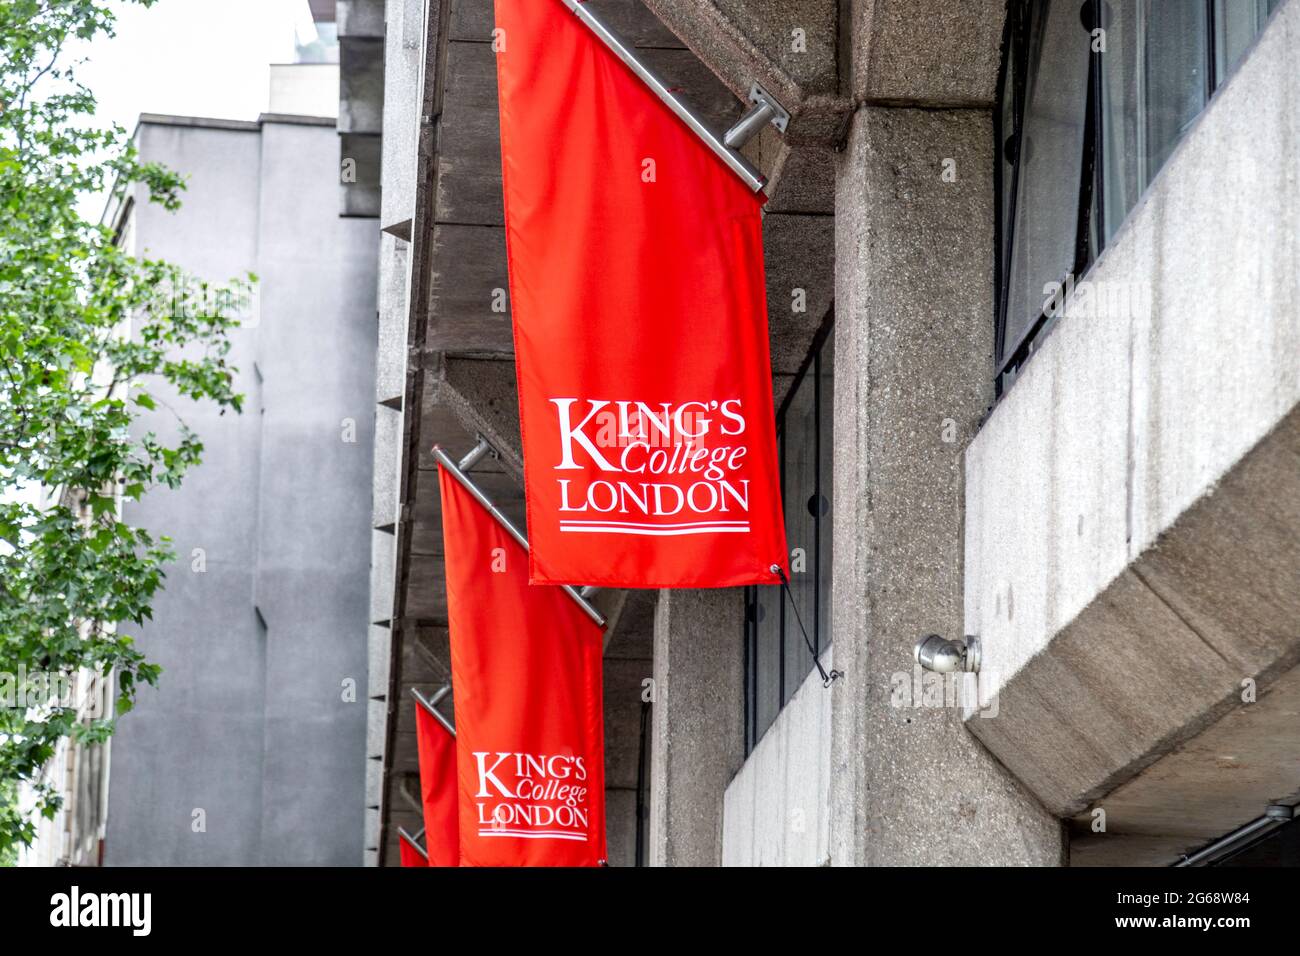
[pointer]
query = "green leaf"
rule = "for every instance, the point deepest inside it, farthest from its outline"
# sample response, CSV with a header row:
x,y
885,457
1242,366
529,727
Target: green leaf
x,y
70,571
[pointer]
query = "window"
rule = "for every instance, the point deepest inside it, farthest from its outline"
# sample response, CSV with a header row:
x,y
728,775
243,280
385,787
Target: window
x,y
777,658
1093,97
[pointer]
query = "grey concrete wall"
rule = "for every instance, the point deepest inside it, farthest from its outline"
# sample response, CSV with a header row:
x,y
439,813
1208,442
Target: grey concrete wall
x,y
195,743
250,723
1132,521
316,354
913,356
775,809
698,730
403,53
1179,360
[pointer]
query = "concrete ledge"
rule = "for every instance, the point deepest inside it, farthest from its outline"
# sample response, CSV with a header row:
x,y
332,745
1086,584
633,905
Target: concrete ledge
x,y
1208,787
1160,655
1133,504
926,52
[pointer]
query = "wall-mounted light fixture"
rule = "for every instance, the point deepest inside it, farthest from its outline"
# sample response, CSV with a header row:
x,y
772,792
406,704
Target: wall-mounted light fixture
x,y
943,656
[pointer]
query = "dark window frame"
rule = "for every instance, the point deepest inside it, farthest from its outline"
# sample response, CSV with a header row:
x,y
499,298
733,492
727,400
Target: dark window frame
x,y
812,364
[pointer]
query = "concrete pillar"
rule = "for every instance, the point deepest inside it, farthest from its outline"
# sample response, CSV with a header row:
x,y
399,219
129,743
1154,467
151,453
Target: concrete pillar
x,y
698,735
913,377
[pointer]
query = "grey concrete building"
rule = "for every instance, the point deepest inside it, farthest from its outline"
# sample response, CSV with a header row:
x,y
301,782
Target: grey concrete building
x,y
251,749
1035,320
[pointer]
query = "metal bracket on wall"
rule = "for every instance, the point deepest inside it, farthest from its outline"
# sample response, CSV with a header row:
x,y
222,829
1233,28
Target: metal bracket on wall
x,y
721,146
430,704
414,840
763,110
476,453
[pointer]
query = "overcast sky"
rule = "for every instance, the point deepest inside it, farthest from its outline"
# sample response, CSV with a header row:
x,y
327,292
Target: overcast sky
x,y
207,58
191,57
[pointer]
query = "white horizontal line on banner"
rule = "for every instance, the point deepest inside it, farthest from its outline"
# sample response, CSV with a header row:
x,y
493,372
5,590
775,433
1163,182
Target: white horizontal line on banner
x,y
624,529
649,524
535,834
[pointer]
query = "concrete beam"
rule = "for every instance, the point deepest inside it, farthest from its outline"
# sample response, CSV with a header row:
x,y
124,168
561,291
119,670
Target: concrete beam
x,y
789,46
1155,667
1216,782
932,53
483,396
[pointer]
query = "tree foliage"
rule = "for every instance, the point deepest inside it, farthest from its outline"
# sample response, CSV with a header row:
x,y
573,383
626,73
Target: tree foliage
x,y
90,338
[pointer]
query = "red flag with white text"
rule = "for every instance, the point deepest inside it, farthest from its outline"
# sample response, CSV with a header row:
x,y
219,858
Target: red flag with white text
x,y
526,671
437,750
640,318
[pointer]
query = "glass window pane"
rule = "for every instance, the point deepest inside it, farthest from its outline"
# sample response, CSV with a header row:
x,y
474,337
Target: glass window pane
x,y
1051,156
1175,73
1123,135
799,489
1236,24
1154,83
826,430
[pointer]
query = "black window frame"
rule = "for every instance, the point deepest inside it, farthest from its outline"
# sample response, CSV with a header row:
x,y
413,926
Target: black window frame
x,y
819,631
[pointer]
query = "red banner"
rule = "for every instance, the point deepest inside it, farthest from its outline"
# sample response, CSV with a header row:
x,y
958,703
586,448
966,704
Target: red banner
x,y
526,667
412,855
640,320
437,748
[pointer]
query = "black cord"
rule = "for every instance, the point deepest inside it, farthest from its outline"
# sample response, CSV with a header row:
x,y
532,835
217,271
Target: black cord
x,y
827,679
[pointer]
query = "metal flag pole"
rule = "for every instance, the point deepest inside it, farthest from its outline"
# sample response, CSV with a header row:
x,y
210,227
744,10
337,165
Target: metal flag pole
x,y
467,483
765,109
413,840
427,704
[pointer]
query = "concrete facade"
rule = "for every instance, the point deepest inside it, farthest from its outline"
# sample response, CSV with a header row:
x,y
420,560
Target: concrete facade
x,y
1144,466
774,811
949,506
251,749
902,374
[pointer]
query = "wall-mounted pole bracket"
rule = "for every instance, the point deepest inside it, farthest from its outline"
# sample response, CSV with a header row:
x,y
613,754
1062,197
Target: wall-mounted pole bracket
x,y
763,111
626,52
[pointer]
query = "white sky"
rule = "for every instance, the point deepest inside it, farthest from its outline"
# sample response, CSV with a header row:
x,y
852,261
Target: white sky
x,y
208,58
191,58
